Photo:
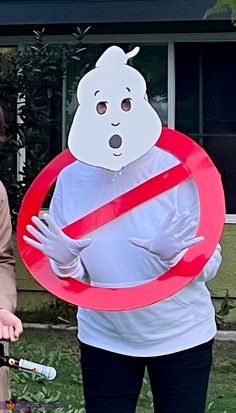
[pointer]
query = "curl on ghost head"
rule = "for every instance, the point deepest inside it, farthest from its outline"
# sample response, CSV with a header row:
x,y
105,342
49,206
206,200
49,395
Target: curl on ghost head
x,y
114,123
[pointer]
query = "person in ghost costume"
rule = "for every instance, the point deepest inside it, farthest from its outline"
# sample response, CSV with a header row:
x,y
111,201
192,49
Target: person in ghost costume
x,y
113,136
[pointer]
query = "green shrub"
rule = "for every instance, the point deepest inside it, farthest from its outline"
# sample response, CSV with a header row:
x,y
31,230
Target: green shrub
x,y
35,76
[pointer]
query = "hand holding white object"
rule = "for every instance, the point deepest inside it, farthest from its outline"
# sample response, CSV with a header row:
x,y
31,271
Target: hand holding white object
x,y
175,234
52,241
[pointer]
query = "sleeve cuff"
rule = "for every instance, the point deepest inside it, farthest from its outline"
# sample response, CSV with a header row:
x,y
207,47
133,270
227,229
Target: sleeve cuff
x,y
74,270
211,267
171,263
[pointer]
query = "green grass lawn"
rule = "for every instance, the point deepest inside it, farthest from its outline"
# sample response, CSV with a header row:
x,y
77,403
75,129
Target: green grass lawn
x,y
60,350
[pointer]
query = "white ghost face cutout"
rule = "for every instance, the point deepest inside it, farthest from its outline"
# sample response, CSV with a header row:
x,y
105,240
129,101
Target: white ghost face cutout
x,y
114,124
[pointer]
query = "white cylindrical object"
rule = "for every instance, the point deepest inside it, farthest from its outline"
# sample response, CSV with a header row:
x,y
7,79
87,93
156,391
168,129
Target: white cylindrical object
x,y
46,371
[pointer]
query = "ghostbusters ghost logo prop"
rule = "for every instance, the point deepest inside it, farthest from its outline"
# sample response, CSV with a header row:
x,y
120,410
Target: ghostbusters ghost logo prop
x,y
194,164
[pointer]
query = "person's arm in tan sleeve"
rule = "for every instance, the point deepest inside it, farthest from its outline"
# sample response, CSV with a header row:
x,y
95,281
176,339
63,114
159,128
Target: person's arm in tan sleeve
x,y
7,261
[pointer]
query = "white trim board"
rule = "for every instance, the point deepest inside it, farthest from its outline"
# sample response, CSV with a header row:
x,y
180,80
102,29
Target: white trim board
x,y
230,219
127,38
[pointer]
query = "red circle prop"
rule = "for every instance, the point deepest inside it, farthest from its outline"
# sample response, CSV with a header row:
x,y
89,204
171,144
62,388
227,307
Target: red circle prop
x,y
195,164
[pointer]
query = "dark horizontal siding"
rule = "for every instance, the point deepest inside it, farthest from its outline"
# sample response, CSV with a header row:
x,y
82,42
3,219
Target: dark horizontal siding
x,y
23,12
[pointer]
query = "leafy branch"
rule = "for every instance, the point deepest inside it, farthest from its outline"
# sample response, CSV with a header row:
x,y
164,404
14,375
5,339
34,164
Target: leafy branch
x,y
222,6
226,306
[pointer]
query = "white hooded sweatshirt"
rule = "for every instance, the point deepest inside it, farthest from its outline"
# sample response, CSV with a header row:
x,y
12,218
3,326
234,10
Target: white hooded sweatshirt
x,y
182,321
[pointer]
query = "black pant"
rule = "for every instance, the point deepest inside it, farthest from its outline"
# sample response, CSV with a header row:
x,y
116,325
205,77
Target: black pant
x,y
179,381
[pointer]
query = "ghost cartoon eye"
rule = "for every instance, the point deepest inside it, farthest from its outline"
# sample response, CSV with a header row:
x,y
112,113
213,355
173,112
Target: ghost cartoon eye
x,y
101,108
126,104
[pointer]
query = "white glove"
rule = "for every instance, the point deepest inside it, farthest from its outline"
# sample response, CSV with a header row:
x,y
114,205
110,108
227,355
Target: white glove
x,y
52,241
175,234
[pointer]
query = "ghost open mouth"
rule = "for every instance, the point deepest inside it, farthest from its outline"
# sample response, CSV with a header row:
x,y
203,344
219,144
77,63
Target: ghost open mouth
x,y
115,141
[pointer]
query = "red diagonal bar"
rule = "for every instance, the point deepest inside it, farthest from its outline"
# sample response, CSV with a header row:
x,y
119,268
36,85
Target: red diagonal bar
x,y
129,200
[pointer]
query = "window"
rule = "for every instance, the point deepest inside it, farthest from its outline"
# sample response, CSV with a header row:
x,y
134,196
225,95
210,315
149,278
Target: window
x,y
206,102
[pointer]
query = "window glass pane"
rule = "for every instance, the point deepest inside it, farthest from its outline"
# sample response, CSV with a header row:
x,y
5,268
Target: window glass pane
x,y
152,63
206,102
187,88
219,114
222,151
219,90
